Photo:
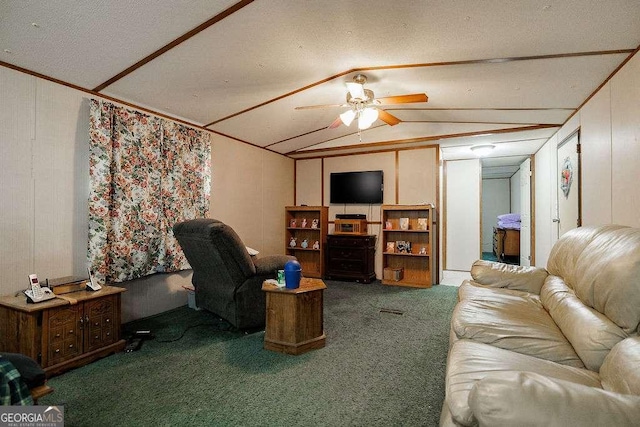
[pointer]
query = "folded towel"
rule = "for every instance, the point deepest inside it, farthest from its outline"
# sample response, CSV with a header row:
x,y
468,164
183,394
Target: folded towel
x,y
509,217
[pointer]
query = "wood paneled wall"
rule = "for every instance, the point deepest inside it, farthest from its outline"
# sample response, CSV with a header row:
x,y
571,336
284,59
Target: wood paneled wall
x,y
44,185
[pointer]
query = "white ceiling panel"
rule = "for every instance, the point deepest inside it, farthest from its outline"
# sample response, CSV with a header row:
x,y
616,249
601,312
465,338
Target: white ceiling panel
x,y
88,42
501,85
468,56
524,117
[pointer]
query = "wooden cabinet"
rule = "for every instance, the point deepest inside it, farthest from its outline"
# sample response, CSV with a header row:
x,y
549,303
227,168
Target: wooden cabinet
x,y
66,332
294,319
351,257
506,243
408,245
306,226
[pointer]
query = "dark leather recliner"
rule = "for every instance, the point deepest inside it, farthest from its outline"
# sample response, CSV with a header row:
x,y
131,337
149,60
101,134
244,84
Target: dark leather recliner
x,y
227,280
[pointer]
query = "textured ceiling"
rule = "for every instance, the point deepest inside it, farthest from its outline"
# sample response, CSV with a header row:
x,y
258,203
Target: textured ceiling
x,y
511,72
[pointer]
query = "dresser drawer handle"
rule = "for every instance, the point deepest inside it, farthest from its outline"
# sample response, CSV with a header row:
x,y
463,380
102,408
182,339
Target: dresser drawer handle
x,y
57,335
70,345
96,337
108,320
57,350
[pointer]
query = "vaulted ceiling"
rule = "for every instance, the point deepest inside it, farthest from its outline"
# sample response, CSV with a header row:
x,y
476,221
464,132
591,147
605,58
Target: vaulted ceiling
x,y
500,71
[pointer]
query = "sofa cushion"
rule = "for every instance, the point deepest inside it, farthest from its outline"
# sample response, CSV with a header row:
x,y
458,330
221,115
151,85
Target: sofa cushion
x,y
619,372
499,275
476,291
566,251
506,399
471,361
590,333
607,276
512,324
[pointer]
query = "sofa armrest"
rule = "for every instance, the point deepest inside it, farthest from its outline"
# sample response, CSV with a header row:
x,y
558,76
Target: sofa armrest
x,y
268,265
499,275
527,399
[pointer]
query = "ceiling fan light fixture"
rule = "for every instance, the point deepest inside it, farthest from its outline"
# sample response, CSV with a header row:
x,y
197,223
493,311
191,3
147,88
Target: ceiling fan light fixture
x,y
356,90
482,150
347,117
366,118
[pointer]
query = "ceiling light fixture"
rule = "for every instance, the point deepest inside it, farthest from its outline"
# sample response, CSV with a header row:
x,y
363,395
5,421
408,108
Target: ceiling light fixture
x,y
360,100
482,149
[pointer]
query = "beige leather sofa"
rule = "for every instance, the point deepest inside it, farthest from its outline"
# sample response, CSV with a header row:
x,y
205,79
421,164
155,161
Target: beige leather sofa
x,y
550,347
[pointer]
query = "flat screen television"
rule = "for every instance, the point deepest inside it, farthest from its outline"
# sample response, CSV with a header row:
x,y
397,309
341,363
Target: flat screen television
x,y
356,187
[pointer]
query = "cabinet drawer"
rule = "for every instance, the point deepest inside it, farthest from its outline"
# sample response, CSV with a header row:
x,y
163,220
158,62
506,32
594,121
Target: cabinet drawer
x,y
345,266
345,253
100,337
64,350
351,241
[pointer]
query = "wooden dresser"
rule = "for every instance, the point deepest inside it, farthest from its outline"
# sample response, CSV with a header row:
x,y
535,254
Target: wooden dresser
x,y
351,257
506,243
63,333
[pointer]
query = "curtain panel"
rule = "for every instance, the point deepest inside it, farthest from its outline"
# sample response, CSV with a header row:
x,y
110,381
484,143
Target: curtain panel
x,y
146,174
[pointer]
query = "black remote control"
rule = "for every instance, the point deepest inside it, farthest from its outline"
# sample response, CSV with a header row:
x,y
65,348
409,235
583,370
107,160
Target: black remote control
x,y
133,345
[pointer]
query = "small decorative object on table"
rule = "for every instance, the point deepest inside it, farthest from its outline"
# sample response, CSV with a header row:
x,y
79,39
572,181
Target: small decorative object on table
x,y
292,274
391,247
316,245
404,223
304,244
314,223
303,224
423,224
293,223
293,242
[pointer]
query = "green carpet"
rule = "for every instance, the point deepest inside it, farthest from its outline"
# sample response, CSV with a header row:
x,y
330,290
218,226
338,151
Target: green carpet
x,y
377,369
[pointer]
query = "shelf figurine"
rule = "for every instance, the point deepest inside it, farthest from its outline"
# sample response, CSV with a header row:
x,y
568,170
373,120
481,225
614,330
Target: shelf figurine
x,y
316,245
304,244
292,242
314,223
303,224
292,223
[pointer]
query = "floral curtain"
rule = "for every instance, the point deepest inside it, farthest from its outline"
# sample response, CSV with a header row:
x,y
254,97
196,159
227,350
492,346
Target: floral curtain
x,y
146,174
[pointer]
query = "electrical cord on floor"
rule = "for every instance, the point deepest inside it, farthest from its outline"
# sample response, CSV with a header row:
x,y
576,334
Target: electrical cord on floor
x,y
226,328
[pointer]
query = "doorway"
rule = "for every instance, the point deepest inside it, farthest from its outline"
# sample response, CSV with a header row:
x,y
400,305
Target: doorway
x,y
506,209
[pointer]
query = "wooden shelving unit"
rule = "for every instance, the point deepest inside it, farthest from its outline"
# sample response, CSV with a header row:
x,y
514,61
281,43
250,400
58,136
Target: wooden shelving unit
x,y
311,260
419,264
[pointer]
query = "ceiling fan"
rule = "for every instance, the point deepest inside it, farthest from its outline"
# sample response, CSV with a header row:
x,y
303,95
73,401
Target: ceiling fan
x,y
363,105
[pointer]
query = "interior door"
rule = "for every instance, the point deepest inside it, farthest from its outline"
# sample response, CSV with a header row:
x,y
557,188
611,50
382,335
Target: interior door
x,y
525,213
569,203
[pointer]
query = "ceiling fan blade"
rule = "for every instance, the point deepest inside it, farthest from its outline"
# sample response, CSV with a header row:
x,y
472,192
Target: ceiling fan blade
x,y
313,107
403,99
337,122
389,119
356,90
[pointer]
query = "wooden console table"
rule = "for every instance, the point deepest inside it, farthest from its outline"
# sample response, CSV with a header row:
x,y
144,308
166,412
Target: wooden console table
x,y
294,322
63,333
